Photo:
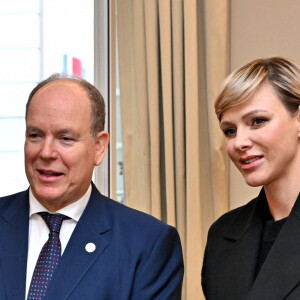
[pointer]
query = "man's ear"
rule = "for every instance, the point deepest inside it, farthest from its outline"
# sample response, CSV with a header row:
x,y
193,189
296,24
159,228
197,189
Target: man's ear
x,y
101,144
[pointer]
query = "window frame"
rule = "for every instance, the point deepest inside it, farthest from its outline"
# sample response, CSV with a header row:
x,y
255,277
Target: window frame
x,y
101,81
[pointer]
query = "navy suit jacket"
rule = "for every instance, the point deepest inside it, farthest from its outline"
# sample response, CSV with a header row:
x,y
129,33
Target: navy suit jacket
x,y
136,256
232,250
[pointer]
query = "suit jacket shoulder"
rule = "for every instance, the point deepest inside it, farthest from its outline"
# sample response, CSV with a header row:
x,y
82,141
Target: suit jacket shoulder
x,y
226,224
14,222
133,220
14,203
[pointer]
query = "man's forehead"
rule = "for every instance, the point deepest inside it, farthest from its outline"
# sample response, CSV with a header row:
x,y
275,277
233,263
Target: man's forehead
x,y
65,84
60,97
61,92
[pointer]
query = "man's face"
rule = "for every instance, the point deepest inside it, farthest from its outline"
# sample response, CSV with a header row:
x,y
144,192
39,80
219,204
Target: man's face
x,y
60,153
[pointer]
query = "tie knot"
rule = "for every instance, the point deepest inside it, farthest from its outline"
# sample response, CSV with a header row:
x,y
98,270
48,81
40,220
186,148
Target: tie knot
x,y
53,221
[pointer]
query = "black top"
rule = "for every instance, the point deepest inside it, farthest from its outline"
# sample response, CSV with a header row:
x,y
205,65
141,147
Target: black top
x,y
269,236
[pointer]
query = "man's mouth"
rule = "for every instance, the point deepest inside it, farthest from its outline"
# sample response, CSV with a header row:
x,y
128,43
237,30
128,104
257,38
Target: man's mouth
x,y
49,173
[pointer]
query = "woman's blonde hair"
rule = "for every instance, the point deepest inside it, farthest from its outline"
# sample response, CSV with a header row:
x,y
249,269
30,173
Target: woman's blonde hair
x,y
282,73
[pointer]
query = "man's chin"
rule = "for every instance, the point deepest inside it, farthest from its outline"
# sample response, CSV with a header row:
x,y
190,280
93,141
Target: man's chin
x,y
48,195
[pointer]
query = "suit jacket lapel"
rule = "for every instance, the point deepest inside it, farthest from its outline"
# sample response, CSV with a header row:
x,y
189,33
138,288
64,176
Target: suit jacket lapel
x,y
238,260
14,245
281,270
76,260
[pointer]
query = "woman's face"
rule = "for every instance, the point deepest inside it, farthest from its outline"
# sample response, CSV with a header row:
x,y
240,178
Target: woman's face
x,y
262,137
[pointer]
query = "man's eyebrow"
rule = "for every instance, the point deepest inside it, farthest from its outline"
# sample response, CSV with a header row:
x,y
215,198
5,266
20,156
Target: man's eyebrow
x,y
62,131
32,128
68,131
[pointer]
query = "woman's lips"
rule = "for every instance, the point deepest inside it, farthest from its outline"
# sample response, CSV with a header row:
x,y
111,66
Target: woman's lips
x,y
250,162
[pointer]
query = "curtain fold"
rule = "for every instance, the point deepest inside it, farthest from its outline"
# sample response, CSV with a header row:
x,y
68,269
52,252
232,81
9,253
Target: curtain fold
x,y
153,94
194,238
172,58
217,67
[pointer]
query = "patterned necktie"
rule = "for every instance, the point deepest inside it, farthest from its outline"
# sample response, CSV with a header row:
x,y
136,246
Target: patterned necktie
x,y
48,259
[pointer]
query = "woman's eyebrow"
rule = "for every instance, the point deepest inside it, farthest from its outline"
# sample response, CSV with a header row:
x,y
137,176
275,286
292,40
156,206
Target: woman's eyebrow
x,y
245,116
225,123
253,112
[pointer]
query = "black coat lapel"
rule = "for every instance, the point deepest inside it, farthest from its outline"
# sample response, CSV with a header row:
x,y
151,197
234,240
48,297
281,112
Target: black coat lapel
x,y
237,263
281,271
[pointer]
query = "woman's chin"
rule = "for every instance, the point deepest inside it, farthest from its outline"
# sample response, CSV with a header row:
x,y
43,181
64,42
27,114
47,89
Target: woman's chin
x,y
254,182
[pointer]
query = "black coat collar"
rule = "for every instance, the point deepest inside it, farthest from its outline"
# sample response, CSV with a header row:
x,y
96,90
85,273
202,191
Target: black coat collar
x,y
280,273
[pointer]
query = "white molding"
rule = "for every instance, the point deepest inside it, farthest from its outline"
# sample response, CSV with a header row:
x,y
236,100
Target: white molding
x,y
101,80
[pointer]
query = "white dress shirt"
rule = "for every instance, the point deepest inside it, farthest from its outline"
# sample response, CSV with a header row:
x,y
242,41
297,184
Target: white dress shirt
x,y
39,231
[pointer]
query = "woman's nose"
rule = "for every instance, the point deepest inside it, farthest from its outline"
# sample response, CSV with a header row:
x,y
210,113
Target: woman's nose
x,y
242,140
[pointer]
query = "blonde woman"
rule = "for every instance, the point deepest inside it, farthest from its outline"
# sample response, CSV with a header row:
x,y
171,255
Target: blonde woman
x,y
253,252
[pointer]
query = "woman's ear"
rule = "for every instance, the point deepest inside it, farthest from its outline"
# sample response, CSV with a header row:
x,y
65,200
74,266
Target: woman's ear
x,y
101,144
298,120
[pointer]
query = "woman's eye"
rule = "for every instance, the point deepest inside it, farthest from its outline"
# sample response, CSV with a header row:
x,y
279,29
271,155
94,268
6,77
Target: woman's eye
x,y
258,121
229,132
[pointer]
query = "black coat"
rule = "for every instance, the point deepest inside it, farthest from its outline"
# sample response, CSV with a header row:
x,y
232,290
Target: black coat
x,y
231,254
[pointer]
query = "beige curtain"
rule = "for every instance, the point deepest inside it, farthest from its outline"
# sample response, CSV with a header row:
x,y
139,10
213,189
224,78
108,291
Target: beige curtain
x,y
172,58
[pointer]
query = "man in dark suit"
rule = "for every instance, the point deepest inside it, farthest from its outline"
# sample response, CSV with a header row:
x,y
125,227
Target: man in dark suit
x,y
100,249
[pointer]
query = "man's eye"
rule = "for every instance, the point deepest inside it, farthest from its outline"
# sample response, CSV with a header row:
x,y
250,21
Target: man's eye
x,y
33,136
67,139
229,132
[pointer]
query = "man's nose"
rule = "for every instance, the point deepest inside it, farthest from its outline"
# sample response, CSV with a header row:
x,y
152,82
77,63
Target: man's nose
x,y
48,150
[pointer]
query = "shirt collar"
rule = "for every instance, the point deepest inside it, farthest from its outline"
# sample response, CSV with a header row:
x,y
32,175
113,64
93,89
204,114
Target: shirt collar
x,y
73,210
